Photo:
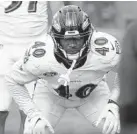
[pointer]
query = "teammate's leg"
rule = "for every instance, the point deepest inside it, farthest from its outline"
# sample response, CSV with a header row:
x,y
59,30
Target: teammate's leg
x,y
93,107
3,117
22,118
5,101
5,98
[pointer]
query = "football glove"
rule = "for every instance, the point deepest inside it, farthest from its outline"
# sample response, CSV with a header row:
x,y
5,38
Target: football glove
x,y
37,125
110,115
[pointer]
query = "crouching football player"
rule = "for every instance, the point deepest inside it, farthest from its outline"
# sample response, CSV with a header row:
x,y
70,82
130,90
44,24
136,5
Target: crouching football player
x,y
71,62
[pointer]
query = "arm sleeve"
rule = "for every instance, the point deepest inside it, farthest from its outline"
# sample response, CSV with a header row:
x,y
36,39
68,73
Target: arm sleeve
x,y
15,80
115,92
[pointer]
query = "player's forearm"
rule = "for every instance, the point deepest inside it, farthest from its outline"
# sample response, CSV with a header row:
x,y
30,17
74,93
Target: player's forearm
x,y
115,95
22,98
116,89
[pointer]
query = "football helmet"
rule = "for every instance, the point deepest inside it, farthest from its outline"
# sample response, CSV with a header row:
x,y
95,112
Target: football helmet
x,y
71,31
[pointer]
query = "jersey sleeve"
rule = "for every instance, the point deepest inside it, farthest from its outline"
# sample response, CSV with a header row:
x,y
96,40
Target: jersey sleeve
x,y
28,68
15,80
116,60
36,57
107,48
19,74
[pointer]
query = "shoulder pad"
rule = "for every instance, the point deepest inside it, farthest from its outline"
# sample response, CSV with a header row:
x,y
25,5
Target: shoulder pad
x,y
105,46
37,56
37,50
39,47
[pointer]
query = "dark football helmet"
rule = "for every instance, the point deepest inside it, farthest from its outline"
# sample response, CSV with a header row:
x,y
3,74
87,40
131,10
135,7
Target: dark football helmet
x,y
71,31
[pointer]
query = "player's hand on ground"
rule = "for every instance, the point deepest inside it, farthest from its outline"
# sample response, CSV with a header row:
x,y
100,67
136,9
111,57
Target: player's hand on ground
x,y
110,116
40,126
43,127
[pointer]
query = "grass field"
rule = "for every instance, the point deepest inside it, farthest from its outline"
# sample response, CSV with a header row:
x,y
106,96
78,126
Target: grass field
x,y
71,123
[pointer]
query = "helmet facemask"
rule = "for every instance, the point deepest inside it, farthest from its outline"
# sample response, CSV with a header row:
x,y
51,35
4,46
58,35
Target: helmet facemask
x,y
71,32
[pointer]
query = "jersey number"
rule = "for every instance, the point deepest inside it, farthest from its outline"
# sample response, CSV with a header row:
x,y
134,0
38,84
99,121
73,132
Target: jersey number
x,y
32,7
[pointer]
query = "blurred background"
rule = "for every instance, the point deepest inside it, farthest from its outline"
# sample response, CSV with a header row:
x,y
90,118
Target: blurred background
x,y
108,16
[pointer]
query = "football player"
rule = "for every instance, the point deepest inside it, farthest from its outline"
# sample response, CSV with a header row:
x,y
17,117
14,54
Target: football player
x,y
20,23
72,63
128,84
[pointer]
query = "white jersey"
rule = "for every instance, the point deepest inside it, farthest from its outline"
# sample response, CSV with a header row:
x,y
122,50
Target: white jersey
x,y
40,62
22,20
